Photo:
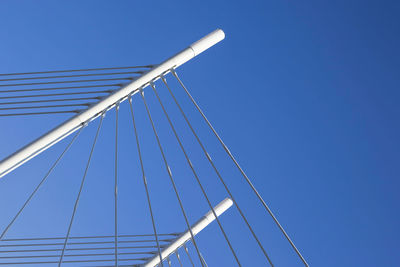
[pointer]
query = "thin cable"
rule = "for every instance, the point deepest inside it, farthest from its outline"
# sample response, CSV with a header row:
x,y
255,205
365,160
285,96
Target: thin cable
x,y
84,243
217,172
170,175
50,106
58,94
74,81
241,171
70,255
61,88
75,70
187,253
72,261
80,190
40,184
145,181
74,249
50,100
40,113
84,237
116,187
195,174
203,259
69,76
178,257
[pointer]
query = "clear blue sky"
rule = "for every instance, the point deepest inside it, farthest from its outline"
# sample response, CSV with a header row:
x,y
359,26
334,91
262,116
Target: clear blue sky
x,y
304,93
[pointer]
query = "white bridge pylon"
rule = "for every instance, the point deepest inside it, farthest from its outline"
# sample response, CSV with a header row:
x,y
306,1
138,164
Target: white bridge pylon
x,y
76,122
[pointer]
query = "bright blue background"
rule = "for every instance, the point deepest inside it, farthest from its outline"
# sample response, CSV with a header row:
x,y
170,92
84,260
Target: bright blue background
x,y
304,93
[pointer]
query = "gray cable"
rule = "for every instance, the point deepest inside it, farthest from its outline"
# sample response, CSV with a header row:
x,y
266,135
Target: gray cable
x,y
241,171
145,181
179,258
50,106
61,88
115,186
85,237
80,190
40,113
70,76
71,261
74,81
50,100
195,174
170,175
40,184
187,253
58,94
75,70
84,243
217,172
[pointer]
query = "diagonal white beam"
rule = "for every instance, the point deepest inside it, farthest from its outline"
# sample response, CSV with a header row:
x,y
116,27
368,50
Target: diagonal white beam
x,y
196,228
50,138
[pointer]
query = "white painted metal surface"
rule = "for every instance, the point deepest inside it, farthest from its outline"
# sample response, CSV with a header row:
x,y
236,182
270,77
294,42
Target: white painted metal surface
x,y
196,228
65,129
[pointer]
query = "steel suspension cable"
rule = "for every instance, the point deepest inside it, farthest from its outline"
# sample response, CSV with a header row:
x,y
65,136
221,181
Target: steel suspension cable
x,y
115,186
40,113
40,184
217,172
70,76
188,254
195,174
241,171
168,169
145,181
58,94
74,81
80,190
50,106
76,70
203,259
50,100
178,257
60,88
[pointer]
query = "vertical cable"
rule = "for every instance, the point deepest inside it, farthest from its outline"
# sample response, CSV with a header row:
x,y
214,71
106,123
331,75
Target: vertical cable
x,y
217,172
178,257
241,170
145,181
194,172
116,187
41,182
203,259
187,253
170,175
80,191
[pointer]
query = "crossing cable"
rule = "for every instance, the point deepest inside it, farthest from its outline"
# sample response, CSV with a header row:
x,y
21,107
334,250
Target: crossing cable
x,y
195,174
115,186
80,189
217,171
145,180
76,70
40,184
170,175
50,100
73,261
61,88
40,113
241,170
71,255
187,253
70,76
